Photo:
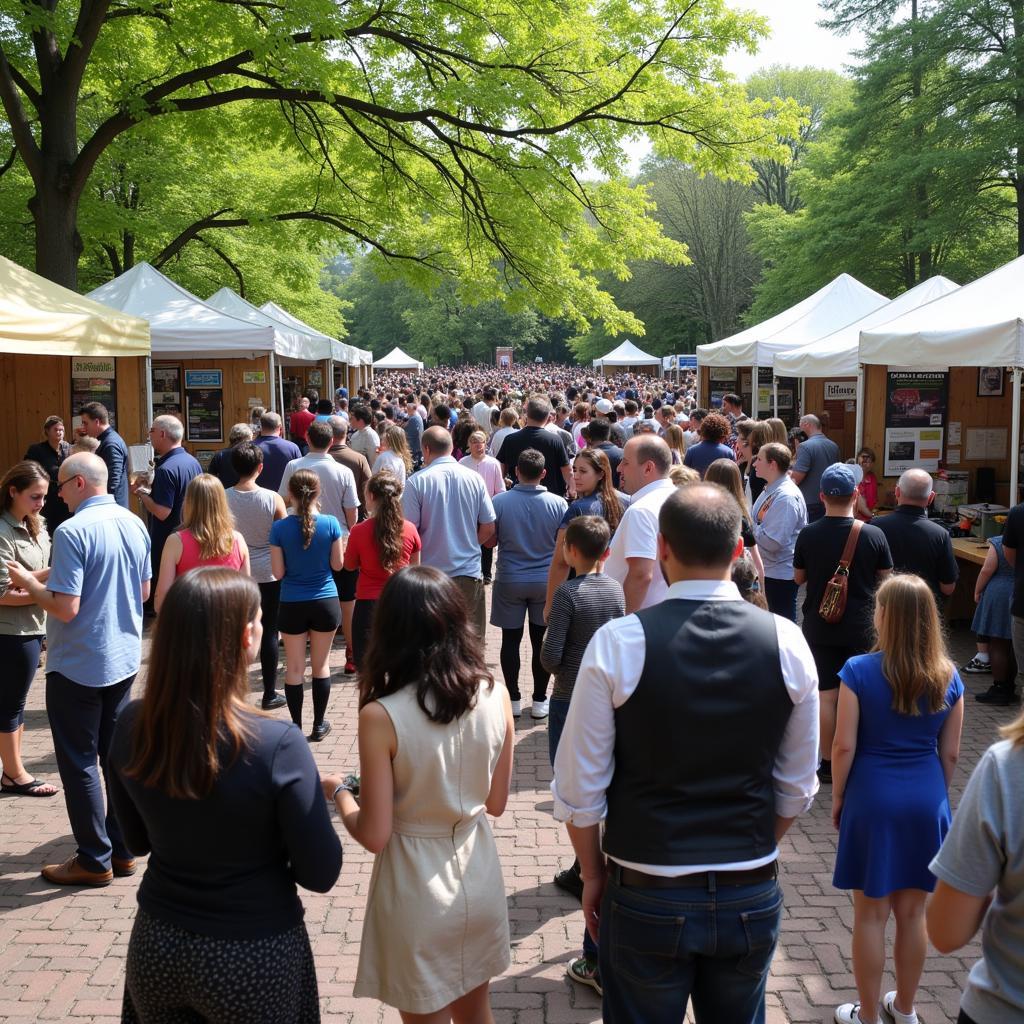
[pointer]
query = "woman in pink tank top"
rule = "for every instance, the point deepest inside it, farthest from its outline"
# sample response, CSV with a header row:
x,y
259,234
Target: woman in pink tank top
x,y
207,536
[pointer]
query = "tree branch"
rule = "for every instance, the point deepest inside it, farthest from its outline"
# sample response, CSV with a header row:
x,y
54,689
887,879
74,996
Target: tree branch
x,y
91,17
21,130
227,260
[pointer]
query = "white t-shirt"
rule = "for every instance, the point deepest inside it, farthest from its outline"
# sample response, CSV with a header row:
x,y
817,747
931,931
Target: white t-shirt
x,y
482,415
391,462
337,485
637,537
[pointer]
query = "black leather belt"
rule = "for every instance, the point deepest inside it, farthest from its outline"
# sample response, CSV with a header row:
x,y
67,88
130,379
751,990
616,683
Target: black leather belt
x,y
630,878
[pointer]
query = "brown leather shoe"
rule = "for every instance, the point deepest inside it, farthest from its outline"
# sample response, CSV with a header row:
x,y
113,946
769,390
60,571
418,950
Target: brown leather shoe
x,y
122,867
72,873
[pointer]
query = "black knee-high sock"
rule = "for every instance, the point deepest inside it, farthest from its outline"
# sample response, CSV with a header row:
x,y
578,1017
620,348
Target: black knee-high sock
x,y
321,694
540,674
293,694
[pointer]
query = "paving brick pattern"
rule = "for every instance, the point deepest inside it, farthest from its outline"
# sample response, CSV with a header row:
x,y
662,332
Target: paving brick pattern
x,y
62,950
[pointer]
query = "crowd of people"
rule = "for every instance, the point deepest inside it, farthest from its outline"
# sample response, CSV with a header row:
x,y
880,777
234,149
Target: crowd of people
x,y
652,552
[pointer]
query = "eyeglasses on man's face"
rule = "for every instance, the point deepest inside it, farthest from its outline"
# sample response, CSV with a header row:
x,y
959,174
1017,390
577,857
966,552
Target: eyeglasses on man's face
x,y
64,483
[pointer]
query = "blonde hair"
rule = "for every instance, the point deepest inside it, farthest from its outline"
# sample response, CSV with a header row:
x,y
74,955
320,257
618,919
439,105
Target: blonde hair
x,y
394,440
206,515
910,637
1014,731
683,475
675,440
778,430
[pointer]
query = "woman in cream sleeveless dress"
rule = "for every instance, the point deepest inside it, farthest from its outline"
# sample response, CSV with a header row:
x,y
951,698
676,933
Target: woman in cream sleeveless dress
x,y
436,928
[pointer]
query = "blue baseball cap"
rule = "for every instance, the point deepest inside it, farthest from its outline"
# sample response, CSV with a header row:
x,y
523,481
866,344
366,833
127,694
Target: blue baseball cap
x,y
838,481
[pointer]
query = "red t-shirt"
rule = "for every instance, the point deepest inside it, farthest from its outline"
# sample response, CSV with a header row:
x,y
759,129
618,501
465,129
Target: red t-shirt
x,y
362,554
299,423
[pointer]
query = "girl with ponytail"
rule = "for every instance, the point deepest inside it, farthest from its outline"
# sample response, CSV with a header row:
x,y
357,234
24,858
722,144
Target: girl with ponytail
x,y
378,547
304,549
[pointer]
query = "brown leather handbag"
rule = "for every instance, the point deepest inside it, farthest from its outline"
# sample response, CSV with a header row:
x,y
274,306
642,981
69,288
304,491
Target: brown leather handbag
x,y
833,601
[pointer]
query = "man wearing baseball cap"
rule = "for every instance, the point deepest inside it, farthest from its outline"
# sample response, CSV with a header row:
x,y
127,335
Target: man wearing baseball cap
x,y
819,549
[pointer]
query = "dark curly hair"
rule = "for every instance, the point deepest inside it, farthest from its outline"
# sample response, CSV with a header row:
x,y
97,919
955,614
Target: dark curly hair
x,y
714,428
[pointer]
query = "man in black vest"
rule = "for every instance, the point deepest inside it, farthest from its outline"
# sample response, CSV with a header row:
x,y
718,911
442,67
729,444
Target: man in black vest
x,y
693,732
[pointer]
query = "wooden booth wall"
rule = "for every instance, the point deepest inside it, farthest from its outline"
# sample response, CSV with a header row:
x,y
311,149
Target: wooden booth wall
x,y
839,419
965,407
236,392
35,387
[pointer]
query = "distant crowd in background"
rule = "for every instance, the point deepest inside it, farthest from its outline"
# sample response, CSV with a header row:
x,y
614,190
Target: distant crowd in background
x,y
650,552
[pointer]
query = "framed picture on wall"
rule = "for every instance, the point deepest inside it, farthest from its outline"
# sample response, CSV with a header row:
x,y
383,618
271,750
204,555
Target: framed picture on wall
x,y
991,381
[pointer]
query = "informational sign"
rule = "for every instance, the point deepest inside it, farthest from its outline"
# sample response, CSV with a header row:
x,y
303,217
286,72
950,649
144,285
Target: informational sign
x,y
987,443
916,398
94,380
254,376
315,378
840,391
204,418
166,390
203,379
503,357
912,448
954,432
722,375
204,458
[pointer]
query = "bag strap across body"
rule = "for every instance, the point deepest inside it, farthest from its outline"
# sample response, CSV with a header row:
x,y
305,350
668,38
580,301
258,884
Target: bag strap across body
x,y
833,600
850,548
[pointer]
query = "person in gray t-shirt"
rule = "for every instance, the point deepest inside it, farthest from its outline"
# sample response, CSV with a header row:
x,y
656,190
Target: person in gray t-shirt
x,y
813,457
981,883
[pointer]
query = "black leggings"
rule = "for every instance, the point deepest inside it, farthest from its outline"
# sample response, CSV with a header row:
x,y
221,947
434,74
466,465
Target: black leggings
x,y
270,605
362,625
510,642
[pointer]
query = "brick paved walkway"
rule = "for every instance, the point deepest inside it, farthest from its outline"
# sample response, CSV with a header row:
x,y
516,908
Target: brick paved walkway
x,y
62,951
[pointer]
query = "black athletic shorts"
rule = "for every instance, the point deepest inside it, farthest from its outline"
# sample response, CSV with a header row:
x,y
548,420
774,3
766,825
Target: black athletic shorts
x,y
345,580
320,616
828,661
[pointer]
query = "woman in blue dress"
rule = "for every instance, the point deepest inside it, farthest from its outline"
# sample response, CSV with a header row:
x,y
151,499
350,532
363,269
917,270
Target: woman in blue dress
x,y
896,745
993,593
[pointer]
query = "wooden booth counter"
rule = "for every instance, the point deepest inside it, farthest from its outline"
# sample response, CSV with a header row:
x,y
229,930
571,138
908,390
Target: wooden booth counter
x,y
970,556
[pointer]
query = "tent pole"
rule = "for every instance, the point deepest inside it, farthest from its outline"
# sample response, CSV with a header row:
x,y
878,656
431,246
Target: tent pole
x,y
280,384
148,370
273,380
775,393
1015,437
755,397
859,432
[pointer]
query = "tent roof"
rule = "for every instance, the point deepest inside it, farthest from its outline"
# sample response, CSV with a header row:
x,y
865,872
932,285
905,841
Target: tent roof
x,y
840,302
980,324
179,322
835,355
289,344
627,354
38,317
396,359
334,349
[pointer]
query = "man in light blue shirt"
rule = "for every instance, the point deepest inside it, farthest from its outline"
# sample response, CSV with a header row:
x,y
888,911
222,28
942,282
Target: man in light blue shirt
x,y
450,507
780,513
813,457
93,599
528,519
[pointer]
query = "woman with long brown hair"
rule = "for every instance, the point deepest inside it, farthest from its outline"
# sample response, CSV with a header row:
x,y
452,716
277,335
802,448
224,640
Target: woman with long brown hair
x,y
377,548
760,435
726,474
23,539
435,753
595,496
304,549
676,442
207,536
897,742
225,798
394,455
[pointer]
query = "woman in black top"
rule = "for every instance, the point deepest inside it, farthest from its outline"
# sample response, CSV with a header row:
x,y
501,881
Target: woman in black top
x,y
50,454
228,801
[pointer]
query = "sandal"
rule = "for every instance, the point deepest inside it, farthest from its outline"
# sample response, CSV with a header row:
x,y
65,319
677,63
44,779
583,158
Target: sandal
x,y
30,788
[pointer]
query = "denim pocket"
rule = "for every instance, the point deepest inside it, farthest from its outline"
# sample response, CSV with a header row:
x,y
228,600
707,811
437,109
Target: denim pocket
x,y
644,946
761,928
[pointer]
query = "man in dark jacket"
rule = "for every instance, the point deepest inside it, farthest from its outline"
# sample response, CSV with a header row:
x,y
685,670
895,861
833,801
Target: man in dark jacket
x,y
112,450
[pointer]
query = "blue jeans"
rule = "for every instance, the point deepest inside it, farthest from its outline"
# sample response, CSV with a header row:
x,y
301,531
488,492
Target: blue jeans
x,y
660,948
781,597
557,711
82,720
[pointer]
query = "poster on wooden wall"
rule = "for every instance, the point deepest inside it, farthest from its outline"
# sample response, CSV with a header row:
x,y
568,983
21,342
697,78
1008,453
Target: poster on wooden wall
x,y
94,380
205,414
167,391
912,448
916,398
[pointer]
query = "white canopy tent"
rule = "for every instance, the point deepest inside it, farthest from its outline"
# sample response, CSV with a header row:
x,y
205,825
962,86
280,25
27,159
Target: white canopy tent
x,y
290,345
396,359
839,303
980,324
627,354
38,317
835,354
181,325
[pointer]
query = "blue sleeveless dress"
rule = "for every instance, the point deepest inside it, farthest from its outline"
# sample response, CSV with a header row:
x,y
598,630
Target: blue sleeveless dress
x,y
895,807
992,617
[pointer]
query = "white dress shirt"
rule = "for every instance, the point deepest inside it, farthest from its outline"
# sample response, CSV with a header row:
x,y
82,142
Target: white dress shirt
x,y
637,537
610,672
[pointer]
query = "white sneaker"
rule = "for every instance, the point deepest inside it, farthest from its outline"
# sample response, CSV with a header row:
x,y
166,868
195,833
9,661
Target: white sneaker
x,y
539,709
517,708
889,1005
848,1013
